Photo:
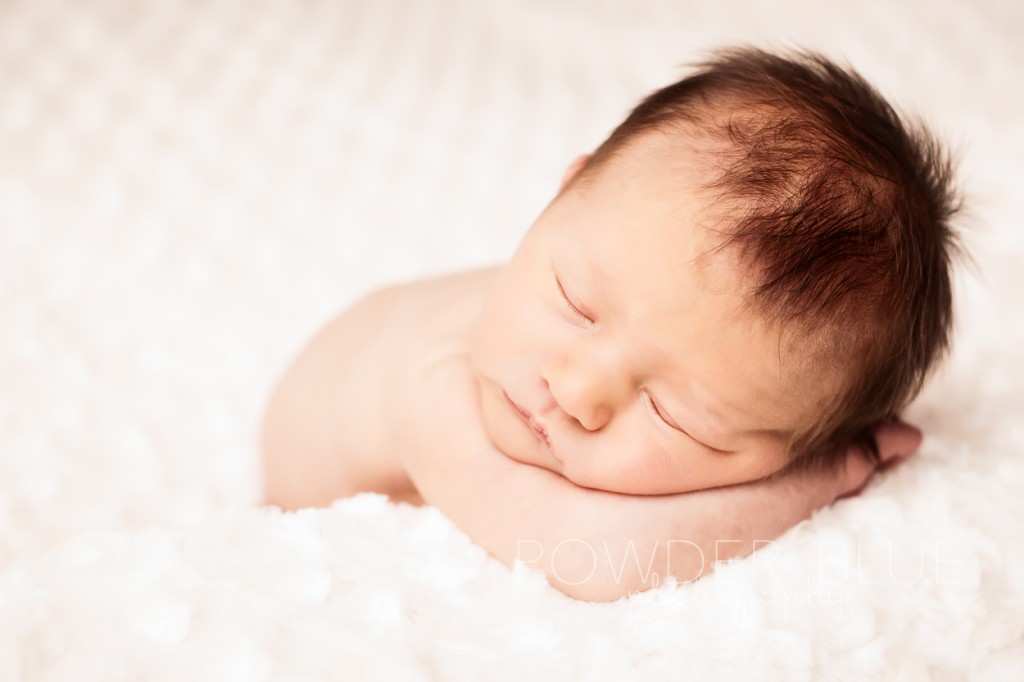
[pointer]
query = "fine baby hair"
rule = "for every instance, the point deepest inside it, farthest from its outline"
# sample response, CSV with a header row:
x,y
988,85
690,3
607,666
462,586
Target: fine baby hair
x,y
839,210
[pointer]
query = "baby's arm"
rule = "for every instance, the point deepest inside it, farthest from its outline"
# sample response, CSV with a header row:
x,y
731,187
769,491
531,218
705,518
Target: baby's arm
x,y
591,544
323,434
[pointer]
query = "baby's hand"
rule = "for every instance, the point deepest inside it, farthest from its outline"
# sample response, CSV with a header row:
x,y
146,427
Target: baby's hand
x,y
896,441
509,508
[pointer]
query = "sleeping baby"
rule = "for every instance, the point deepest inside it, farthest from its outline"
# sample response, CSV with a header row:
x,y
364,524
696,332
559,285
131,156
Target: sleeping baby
x,y
704,338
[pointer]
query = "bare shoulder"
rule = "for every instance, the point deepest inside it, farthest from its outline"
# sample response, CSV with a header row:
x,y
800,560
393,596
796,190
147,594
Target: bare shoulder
x,y
325,433
435,315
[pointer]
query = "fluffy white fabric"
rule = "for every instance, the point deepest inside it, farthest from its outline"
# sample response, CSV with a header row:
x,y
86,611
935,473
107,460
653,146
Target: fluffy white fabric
x,y
188,189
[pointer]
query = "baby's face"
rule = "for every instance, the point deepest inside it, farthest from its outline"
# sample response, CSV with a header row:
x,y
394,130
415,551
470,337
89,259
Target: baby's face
x,y
615,350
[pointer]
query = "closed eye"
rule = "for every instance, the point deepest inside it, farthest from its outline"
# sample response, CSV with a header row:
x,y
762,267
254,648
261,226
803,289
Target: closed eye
x,y
568,301
661,417
659,414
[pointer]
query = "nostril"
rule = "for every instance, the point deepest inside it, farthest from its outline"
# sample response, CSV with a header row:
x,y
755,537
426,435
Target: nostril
x,y
591,420
548,403
573,395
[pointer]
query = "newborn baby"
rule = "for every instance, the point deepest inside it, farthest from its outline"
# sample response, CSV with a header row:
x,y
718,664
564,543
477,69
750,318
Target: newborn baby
x,y
702,339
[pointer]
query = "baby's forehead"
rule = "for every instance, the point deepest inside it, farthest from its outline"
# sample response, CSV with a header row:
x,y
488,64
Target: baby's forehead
x,y
716,267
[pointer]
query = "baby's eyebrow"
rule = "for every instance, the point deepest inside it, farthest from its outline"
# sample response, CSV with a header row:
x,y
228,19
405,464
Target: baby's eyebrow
x,y
721,430
708,415
753,432
712,410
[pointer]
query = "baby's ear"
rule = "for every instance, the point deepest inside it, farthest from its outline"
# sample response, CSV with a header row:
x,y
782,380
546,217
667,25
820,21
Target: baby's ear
x,y
575,167
896,441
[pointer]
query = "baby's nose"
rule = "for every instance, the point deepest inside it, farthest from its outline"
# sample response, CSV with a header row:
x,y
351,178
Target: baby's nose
x,y
587,391
582,405
580,401
593,416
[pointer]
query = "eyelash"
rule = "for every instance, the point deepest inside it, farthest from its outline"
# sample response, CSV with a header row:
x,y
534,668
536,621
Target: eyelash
x,y
565,297
654,407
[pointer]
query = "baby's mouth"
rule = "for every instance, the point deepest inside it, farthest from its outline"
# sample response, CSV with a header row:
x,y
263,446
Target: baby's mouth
x,y
531,422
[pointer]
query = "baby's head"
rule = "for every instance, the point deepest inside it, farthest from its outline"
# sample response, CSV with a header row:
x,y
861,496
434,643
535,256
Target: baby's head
x,y
750,274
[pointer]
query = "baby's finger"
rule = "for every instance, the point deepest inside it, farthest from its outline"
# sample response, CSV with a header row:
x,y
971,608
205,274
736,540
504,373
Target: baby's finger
x,y
896,440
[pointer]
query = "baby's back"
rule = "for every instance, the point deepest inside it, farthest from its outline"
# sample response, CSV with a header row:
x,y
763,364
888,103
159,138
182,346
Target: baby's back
x,y
325,433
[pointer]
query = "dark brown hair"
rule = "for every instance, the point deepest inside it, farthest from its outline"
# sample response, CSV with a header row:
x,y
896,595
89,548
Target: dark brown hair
x,y
842,212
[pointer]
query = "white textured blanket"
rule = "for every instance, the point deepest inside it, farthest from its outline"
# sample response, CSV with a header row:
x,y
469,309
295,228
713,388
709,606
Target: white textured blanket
x,y
188,189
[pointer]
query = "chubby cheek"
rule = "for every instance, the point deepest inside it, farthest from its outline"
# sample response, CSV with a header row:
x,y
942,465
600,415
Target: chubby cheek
x,y
487,346
504,335
493,424
632,457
